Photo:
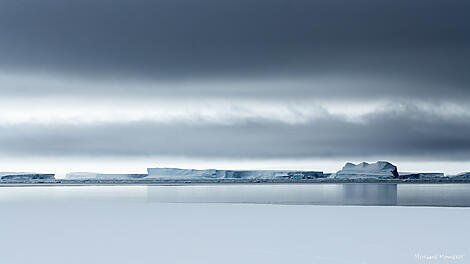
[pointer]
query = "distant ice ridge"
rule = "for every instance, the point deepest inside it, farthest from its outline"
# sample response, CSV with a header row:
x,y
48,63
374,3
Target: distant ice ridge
x,y
25,176
5,173
176,173
421,175
94,175
463,175
377,170
380,169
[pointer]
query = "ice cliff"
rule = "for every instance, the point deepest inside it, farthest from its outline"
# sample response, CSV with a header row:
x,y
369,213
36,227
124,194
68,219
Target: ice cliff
x,y
94,175
176,173
27,176
421,175
463,175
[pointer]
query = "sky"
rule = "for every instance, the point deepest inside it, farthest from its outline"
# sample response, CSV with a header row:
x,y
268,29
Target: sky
x,y
119,86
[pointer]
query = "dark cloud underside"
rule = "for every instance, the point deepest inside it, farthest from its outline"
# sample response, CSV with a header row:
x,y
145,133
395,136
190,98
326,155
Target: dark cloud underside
x,y
89,51
411,133
214,39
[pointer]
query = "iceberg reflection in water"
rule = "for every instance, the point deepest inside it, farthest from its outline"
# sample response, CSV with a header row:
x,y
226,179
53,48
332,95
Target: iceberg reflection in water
x,y
318,194
315,194
366,194
327,194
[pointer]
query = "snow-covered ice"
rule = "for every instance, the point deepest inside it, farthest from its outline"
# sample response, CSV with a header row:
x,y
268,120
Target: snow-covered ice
x,y
94,175
26,176
124,232
463,175
421,175
173,173
380,169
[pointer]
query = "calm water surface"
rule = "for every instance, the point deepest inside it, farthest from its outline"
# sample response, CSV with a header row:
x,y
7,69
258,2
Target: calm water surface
x,y
316,194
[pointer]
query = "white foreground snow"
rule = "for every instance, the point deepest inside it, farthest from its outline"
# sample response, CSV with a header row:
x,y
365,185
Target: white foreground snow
x,y
133,232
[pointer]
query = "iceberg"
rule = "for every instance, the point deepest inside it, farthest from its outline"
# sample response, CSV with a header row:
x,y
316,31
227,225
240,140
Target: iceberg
x,y
103,176
421,175
182,173
27,176
4,173
380,169
463,175
176,173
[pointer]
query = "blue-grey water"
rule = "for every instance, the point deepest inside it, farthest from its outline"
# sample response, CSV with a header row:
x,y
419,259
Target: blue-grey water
x,y
315,194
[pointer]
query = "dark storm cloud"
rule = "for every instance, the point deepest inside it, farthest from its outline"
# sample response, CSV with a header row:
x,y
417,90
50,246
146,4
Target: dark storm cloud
x,y
409,132
425,44
94,51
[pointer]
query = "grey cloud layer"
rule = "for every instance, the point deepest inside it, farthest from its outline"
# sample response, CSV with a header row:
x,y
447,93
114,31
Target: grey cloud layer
x,y
90,51
418,46
409,132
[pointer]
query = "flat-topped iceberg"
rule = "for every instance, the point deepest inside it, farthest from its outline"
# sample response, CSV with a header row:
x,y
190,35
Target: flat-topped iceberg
x,y
176,173
104,176
182,173
421,175
380,169
463,175
4,173
27,176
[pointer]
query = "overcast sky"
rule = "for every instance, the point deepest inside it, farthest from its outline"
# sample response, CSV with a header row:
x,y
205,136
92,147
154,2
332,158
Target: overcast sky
x,y
220,82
